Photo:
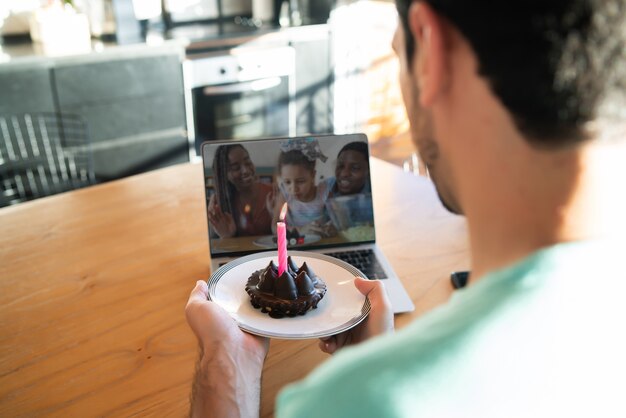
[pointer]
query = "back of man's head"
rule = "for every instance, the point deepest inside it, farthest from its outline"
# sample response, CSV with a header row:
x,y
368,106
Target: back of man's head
x,y
556,65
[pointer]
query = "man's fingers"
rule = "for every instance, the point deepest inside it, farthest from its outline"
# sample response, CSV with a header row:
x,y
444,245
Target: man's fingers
x,y
380,319
327,345
199,293
373,289
331,344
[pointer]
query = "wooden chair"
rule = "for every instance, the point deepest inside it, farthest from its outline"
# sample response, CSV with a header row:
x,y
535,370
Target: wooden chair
x,y
42,154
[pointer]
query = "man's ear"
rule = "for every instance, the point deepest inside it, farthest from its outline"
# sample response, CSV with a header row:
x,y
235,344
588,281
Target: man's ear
x,y
429,60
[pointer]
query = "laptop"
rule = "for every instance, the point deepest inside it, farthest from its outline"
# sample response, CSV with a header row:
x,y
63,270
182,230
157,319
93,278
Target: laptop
x,y
345,224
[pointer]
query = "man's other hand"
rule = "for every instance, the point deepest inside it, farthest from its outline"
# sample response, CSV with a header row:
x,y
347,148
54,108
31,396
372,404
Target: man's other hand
x,y
379,320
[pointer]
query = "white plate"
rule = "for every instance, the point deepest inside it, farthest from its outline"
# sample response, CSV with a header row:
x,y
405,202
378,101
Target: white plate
x,y
268,241
342,307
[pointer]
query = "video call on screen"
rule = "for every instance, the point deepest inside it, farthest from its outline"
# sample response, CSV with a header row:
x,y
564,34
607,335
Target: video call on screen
x,y
337,207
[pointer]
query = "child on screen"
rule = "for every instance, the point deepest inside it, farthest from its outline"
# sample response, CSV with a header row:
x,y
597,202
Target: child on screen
x,y
305,199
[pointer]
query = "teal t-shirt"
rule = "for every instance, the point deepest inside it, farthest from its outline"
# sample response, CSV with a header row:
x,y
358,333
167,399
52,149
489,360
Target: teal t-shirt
x,y
544,337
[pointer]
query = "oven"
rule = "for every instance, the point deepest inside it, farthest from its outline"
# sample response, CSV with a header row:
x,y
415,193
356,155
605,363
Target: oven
x,y
240,94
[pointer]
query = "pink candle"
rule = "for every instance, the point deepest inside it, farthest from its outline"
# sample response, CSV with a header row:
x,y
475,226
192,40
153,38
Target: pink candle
x,y
281,234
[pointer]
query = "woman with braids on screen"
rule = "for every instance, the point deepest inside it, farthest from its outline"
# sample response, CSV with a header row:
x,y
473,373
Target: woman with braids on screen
x,y
239,205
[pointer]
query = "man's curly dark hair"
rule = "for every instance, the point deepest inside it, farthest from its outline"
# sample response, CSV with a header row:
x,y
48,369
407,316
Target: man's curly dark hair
x,y
556,65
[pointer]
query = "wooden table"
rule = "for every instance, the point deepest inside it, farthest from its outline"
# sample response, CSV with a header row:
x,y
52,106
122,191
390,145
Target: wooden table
x,y
93,284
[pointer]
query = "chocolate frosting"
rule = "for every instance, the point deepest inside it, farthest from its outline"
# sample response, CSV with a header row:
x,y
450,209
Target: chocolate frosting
x,y
293,267
290,284
267,279
304,284
309,271
287,295
286,287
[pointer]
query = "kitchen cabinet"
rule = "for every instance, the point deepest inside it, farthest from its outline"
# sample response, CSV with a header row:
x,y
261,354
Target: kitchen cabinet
x,y
131,99
133,105
26,87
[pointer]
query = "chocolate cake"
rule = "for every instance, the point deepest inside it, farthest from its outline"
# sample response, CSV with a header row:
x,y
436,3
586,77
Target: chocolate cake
x,y
293,293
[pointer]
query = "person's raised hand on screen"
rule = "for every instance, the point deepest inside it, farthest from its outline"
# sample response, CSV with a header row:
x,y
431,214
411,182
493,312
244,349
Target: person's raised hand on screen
x,y
222,223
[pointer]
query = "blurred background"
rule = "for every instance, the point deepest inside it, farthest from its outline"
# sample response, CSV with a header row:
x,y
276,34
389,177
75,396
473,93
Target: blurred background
x,y
95,90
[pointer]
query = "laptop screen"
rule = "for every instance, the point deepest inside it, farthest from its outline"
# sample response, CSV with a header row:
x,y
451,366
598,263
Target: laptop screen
x,y
325,181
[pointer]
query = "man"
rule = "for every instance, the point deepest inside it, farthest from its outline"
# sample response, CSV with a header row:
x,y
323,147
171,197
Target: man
x,y
518,109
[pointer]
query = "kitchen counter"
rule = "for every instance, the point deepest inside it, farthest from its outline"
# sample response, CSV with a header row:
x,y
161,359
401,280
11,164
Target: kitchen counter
x,y
26,52
197,38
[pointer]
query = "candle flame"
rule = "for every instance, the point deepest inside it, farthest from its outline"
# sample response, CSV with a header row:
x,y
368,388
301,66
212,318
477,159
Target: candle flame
x,y
283,212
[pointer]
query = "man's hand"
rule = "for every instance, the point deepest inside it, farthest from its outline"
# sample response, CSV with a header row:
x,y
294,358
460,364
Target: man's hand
x,y
228,374
379,321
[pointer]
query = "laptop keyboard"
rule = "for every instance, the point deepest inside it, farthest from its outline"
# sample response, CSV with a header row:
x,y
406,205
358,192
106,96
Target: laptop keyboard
x,y
364,260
